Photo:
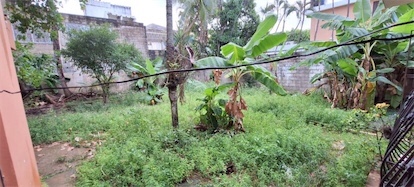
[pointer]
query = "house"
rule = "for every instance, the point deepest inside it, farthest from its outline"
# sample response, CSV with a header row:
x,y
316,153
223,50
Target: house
x,y
128,30
101,9
156,40
342,7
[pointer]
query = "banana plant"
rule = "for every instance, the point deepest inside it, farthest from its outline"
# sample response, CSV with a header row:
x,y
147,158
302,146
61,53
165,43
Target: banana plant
x,y
234,55
352,69
212,110
154,92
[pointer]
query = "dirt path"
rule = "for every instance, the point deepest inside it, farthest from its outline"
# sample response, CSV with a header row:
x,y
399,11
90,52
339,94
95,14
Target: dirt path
x,y
57,163
374,179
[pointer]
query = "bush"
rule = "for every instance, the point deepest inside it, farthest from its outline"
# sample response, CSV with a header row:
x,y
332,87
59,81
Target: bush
x,y
96,52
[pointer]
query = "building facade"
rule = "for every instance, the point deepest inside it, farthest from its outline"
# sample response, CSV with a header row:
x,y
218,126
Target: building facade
x,y
317,33
128,31
101,9
156,40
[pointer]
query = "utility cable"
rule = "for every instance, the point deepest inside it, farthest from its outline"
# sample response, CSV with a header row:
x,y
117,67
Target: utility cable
x,y
347,43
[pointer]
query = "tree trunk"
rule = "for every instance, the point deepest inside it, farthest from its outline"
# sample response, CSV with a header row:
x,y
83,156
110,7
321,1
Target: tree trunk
x,y
278,24
348,7
172,94
59,65
303,15
105,92
333,12
299,16
317,22
172,78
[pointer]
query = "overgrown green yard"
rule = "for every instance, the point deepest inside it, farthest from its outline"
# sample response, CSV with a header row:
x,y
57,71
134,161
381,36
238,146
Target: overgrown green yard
x,y
282,146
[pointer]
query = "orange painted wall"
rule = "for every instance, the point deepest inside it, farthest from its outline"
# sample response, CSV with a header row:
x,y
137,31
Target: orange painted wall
x,y
17,160
325,34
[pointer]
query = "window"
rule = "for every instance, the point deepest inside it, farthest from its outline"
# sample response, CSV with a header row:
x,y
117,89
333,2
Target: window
x,y
317,2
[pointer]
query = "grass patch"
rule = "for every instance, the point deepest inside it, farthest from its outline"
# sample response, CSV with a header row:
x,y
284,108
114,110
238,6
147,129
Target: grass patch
x,y
281,147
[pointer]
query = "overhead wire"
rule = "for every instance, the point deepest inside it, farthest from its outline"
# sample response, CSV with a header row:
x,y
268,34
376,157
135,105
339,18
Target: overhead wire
x,y
259,62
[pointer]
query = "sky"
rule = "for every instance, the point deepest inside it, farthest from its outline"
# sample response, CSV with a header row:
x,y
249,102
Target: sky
x,y
153,11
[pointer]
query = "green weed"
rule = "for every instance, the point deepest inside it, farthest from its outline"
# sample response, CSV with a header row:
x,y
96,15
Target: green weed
x,y
279,148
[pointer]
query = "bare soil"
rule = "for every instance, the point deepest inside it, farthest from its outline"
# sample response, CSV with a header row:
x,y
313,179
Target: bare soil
x,y
374,179
57,162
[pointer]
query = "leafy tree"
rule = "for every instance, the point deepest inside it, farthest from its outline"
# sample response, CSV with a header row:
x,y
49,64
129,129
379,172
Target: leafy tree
x,y
32,70
234,54
95,51
37,17
236,22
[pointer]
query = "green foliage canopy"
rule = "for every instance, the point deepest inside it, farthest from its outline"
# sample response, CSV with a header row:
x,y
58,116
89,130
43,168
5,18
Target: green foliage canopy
x,y
36,16
32,69
96,52
298,36
236,22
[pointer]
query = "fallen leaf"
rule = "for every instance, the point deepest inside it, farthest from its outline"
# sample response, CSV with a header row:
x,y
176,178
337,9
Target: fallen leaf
x,y
339,145
90,156
77,139
53,144
73,176
70,148
90,153
40,155
38,149
87,144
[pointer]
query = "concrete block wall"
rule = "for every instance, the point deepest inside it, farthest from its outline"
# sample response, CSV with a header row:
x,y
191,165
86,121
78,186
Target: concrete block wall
x,y
129,31
135,36
298,79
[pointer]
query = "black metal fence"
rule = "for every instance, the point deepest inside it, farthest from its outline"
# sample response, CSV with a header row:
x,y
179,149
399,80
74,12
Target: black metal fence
x,y
398,164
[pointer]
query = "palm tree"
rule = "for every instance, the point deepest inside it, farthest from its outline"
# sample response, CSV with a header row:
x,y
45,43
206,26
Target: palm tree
x,y
348,7
279,4
306,7
268,8
283,10
333,12
300,12
287,10
172,77
196,16
317,22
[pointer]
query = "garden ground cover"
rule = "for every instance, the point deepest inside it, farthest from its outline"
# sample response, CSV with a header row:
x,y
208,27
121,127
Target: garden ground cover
x,y
282,146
